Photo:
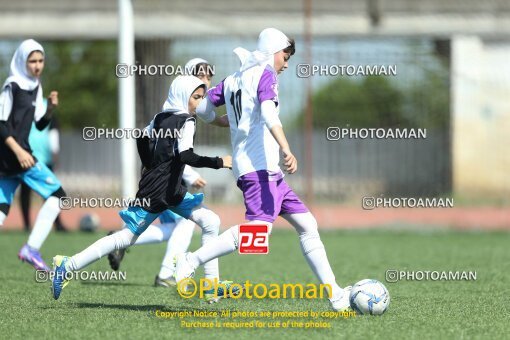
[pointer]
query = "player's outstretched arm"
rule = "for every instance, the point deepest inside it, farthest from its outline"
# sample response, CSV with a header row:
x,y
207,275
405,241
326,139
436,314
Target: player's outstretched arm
x,y
192,159
187,156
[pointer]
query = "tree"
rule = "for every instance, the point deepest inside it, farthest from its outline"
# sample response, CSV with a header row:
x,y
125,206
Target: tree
x,y
367,102
84,75
375,101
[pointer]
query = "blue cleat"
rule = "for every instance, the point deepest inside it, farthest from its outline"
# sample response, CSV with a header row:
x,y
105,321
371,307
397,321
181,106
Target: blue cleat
x,y
59,280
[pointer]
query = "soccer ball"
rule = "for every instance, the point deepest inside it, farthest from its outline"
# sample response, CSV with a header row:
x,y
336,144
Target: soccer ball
x,y
369,297
89,222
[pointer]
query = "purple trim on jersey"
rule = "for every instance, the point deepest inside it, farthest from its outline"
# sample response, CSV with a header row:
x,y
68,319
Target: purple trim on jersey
x,y
266,199
268,86
216,95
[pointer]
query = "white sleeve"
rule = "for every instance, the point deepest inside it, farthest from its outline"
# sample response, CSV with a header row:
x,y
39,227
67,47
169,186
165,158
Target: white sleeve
x,y
54,141
185,142
205,110
189,176
269,114
5,103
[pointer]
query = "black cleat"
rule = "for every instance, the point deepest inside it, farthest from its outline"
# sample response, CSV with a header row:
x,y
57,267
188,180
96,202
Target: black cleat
x,y
116,256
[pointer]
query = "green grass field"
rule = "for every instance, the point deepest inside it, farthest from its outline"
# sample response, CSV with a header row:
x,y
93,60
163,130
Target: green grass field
x,y
419,309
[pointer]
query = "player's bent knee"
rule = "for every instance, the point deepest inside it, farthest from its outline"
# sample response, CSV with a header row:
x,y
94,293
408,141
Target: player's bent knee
x,y
215,221
310,219
213,224
212,218
207,220
124,238
306,223
59,193
313,225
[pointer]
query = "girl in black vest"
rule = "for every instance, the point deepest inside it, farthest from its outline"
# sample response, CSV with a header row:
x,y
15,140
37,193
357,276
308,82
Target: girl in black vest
x,y
164,159
21,102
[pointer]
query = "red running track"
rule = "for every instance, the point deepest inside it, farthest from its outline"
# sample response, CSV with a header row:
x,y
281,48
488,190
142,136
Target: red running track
x,y
328,217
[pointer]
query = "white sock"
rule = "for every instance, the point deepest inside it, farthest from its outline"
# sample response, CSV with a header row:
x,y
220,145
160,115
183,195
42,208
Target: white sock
x,y
156,234
222,245
120,240
42,227
313,249
2,217
315,254
178,242
210,224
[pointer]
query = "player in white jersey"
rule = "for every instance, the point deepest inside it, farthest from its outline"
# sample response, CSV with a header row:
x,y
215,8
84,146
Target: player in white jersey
x,y
251,99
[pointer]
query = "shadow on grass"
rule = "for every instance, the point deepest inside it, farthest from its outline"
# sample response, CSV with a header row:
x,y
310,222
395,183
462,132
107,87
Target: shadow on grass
x,y
141,308
118,284
150,309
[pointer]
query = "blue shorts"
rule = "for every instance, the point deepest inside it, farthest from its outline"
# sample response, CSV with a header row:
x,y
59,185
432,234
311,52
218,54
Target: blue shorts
x,y
168,216
188,203
138,220
39,178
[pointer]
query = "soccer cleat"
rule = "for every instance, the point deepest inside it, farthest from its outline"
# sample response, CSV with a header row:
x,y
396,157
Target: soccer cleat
x,y
59,280
167,283
183,269
116,256
342,303
32,257
211,296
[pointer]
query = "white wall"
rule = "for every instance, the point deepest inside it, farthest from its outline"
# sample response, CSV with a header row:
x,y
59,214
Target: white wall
x,y
480,116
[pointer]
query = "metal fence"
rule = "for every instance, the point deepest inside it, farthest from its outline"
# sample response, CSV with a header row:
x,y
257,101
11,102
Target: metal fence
x,y
342,170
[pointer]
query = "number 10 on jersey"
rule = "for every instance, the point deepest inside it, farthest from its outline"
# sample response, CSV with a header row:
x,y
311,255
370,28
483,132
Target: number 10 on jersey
x,y
235,101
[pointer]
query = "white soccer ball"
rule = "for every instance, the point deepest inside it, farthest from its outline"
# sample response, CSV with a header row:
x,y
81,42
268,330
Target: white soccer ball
x,y
369,297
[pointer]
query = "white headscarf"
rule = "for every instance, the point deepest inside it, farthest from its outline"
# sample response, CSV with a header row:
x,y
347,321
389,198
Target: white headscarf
x,y
270,41
191,64
19,74
179,93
